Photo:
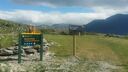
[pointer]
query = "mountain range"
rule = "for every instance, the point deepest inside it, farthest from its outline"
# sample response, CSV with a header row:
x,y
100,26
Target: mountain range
x,y
116,24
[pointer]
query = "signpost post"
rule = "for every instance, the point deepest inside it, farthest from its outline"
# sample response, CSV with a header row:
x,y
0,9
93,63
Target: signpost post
x,y
72,30
19,49
41,48
30,39
75,30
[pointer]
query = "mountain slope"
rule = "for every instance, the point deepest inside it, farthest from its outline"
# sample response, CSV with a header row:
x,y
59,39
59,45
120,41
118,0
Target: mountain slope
x,y
116,24
11,27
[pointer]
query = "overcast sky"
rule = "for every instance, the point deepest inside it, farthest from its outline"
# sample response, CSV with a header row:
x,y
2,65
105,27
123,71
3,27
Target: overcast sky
x,y
60,11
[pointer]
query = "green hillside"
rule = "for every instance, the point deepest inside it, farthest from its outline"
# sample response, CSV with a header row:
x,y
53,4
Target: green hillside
x,y
10,27
9,31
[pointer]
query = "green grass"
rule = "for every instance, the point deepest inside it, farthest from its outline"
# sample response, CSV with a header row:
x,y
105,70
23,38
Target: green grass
x,y
63,44
89,46
92,47
7,40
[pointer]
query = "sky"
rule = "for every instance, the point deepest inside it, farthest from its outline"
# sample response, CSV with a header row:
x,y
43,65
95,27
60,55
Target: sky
x,y
46,12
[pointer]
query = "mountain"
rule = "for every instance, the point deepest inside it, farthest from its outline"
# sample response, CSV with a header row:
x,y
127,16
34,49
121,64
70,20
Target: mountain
x,y
61,27
56,27
116,24
44,26
11,27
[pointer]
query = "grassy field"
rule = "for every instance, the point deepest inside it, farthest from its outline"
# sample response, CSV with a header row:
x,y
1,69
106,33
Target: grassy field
x,y
91,47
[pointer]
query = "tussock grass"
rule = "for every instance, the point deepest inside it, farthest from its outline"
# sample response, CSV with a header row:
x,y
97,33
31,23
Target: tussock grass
x,y
7,40
89,47
92,47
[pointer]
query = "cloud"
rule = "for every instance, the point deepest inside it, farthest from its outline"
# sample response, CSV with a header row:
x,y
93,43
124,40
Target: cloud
x,y
102,9
38,17
82,3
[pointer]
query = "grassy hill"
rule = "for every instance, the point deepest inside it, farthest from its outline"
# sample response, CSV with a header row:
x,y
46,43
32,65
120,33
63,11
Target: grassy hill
x,y
11,27
92,47
9,31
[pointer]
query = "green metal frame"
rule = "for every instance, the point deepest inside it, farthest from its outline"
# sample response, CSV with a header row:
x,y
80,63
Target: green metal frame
x,y
21,46
19,49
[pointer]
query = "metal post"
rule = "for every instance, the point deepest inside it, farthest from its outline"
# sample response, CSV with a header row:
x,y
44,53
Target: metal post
x,y
74,45
19,49
41,48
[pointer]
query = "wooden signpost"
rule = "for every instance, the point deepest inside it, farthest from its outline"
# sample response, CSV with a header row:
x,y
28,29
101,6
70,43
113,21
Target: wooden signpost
x,y
72,30
75,30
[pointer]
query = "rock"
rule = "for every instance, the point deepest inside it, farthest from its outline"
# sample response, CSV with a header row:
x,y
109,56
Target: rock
x,y
23,52
15,52
10,48
3,67
16,48
46,44
5,52
44,40
30,51
27,47
45,48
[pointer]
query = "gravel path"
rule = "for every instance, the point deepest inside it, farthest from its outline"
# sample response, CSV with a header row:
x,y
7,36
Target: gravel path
x,y
51,63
